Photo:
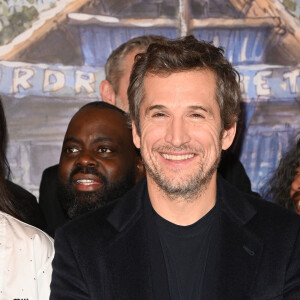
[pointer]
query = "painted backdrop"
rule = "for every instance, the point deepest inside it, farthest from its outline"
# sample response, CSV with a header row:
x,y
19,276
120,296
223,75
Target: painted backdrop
x,y
52,55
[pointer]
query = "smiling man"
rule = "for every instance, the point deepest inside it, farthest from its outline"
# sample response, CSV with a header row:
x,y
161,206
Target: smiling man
x,y
183,232
113,90
98,161
181,141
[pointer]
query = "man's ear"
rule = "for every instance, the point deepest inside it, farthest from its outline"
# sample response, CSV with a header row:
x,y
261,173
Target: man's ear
x,y
107,92
135,136
140,170
228,136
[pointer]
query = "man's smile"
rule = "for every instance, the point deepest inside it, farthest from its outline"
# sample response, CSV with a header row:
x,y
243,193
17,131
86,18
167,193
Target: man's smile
x,y
177,157
86,182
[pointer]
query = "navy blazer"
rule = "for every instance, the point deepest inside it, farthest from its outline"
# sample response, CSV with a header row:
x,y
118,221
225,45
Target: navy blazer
x,y
105,254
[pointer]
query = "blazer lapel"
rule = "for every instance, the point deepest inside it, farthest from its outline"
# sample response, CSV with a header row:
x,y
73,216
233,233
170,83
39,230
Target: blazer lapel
x,y
127,256
128,268
240,249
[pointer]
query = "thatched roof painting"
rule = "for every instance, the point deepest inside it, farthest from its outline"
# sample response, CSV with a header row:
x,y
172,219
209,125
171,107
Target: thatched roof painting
x,y
55,36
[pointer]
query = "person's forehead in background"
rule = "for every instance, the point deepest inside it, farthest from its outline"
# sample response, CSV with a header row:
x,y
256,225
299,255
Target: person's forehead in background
x,y
121,93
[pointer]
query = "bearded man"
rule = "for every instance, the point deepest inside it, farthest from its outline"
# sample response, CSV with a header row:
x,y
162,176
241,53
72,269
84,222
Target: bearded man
x,y
98,161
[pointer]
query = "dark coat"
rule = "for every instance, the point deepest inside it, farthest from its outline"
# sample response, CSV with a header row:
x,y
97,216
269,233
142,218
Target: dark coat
x,y
49,202
105,254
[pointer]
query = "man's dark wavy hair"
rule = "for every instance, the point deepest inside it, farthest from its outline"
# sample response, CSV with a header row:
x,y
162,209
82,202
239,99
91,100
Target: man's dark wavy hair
x,y
183,55
278,187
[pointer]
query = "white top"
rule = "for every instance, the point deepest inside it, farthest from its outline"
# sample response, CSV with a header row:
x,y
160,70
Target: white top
x,y
26,254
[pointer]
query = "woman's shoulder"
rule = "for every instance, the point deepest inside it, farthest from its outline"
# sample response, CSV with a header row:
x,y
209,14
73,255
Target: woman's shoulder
x,y
26,256
25,233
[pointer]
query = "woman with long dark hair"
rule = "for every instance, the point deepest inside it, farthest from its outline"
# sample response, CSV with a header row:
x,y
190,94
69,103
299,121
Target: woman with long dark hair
x,y
15,200
279,188
26,252
6,204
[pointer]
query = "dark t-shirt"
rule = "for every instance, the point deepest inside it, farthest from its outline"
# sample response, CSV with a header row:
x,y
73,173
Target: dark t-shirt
x,y
185,250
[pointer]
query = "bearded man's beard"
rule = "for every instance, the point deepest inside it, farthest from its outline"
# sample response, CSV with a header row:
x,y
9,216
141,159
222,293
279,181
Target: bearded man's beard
x,y
189,188
76,203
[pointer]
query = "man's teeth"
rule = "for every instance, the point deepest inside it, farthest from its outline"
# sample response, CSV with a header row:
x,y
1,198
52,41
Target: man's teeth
x,y
177,157
85,181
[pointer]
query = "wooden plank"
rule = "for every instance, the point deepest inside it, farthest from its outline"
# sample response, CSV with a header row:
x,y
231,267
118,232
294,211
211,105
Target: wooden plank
x,y
235,23
87,19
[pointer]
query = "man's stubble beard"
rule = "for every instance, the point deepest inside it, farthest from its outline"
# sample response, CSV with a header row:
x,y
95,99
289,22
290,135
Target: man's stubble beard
x,y
76,203
190,189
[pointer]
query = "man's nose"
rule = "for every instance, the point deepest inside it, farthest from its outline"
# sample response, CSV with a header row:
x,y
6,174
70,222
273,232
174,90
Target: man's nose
x,y
86,158
177,132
